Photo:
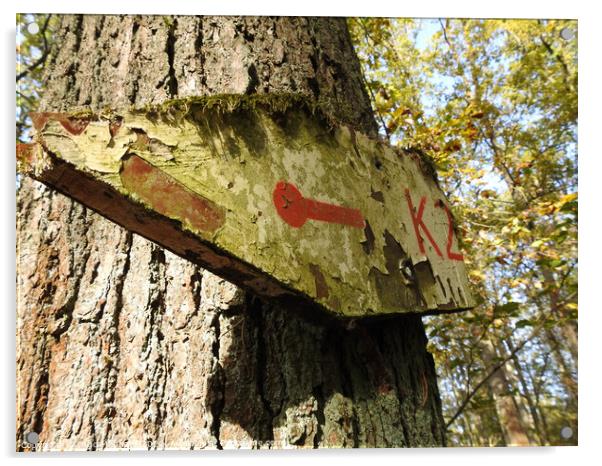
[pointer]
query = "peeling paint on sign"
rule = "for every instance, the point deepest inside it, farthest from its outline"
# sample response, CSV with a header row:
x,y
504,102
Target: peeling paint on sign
x,y
272,199
168,197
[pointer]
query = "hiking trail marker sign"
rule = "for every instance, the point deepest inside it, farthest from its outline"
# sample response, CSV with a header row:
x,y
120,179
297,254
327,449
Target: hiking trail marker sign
x,y
276,200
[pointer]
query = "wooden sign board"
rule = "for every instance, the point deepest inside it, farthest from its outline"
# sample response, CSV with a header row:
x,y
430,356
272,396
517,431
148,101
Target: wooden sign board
x,y
275,200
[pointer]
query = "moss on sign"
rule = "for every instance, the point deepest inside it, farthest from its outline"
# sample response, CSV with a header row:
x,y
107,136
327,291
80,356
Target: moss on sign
x,y
269,192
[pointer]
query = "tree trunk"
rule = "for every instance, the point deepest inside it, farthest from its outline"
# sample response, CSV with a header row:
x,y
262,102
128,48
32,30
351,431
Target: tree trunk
x,y
509,414
124,345
531,403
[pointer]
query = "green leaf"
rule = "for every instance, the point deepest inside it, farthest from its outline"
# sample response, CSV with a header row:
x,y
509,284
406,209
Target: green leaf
x,y
507,309
524,323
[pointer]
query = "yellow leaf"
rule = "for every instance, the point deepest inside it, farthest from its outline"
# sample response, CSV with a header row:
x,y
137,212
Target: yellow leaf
x,y
568,198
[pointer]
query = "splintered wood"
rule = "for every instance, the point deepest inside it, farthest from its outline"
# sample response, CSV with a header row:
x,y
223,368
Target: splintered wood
x,y
278,201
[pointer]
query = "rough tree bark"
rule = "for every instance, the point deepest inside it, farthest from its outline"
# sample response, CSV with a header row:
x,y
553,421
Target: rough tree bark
x,y
124,345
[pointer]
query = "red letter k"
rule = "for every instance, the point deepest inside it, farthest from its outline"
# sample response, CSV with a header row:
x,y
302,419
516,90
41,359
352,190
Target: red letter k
x,y
419,223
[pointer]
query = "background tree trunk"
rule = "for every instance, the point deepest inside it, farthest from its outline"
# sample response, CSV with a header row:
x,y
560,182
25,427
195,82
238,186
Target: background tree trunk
x,y
511,419
124,345
533,406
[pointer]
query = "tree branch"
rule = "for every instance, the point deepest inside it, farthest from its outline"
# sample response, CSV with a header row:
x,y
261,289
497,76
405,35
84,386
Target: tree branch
x,y
381,119
44,55
559,59
443,28
488,376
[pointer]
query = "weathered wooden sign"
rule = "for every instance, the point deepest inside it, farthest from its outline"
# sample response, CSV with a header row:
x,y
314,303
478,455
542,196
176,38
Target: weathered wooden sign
x,y
270,197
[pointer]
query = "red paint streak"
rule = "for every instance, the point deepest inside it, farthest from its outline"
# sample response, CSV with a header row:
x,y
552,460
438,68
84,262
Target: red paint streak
x,y
419,223
72,125
39,120
295,210
169,197
25,152
114,127
450,233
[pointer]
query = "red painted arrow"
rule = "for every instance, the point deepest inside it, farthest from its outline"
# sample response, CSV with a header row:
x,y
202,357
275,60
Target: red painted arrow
x,y
296,210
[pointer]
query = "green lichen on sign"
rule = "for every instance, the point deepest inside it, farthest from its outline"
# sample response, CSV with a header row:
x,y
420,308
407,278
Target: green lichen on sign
x,y
270,192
